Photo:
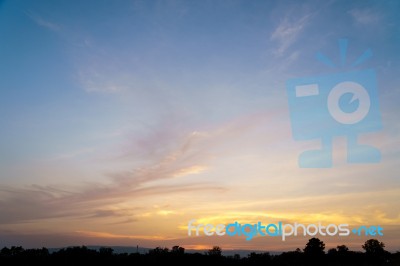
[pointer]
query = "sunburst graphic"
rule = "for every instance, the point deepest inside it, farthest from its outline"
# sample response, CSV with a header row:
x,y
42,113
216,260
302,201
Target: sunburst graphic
x,y
343,43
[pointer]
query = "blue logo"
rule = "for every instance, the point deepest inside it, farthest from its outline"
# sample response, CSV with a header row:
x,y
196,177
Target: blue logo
x,y
283,230
339,104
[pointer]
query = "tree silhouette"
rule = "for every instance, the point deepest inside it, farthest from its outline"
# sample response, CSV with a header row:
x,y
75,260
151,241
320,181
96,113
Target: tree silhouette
x,y
177,250
332,252
342,249
373,247
314,247
158,251
313,255
106,251
215,251
375,251
259,258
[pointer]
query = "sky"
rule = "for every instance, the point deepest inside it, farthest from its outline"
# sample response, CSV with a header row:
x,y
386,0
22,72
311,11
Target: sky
x,y
121,121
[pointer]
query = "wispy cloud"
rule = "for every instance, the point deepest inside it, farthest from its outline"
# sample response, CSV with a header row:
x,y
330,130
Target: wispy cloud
x,y
46,202
168,157
94,200
45,23
118,236
287,32
366,16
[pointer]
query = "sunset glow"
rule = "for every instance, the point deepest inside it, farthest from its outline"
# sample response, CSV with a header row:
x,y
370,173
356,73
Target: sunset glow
x,y
121,121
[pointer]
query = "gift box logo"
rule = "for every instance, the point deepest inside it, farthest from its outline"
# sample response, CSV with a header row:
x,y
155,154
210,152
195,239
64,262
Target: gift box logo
x,y
339,104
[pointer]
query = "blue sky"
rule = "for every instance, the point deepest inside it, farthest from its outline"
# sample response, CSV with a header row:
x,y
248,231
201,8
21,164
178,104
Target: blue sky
x,y
115,113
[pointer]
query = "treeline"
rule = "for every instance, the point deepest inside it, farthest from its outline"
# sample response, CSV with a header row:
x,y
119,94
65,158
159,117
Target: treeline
x,y
312,254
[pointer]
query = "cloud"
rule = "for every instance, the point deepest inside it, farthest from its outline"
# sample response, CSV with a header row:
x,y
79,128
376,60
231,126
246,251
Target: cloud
x,y
118,236
287,32
365,16
35,203
166,162
196,169
43,22
110,213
